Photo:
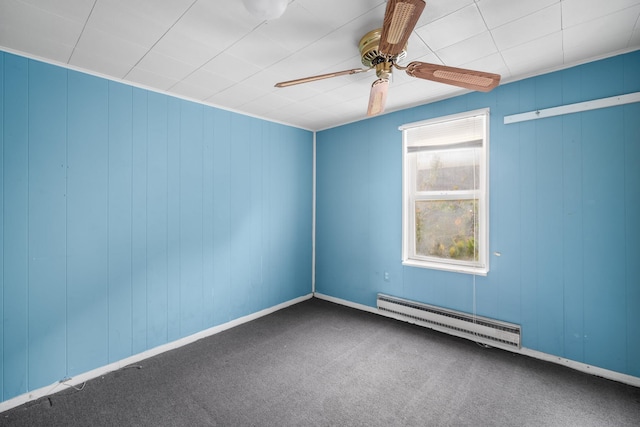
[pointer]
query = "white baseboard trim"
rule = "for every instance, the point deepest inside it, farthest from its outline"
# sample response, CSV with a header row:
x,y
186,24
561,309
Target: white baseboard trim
x,y
579,366
77,380
583,367
347,303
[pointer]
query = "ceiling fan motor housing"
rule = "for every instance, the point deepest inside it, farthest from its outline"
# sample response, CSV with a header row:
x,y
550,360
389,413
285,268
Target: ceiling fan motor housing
x,y
371,57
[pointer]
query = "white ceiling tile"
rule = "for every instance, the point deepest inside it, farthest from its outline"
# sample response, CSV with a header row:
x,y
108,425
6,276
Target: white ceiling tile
x,y
287,118
468,50
210,82
258,50
500,12
431,58
543,54
226,99
237,95
150,79
295,66
326,100
32,42
399,77
348,109
104,53
453,28
265,82
180,46
345,112
99,63
600,36
490,64
195,92
531,27
133,27
220,24
336,13
341,113
266,103
416,48
38,31
337,47
354,107
164,66
231,67
316,117
435,10
635,38
354,91
292,67
49,49
349,35
575,12
295,29
299,92
417,92
323,56
297,108
75,10
357,104
165,13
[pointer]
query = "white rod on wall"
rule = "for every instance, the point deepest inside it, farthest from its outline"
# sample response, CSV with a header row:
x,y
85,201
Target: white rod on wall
x,y
573,108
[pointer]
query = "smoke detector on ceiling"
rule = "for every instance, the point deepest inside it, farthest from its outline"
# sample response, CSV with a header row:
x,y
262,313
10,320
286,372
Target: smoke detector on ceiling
x,y
266,10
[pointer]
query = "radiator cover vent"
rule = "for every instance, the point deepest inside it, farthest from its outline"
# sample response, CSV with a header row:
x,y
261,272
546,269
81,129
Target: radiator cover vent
x,y
476,328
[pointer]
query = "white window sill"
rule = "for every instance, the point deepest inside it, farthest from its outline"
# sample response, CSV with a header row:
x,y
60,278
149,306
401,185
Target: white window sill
x,y
478,271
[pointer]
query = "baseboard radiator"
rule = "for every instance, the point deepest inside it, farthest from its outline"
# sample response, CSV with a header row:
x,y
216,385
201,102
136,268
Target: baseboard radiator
x,y
480,329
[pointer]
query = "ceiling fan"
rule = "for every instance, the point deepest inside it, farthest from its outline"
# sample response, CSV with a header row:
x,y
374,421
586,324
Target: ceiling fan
x,y
381,49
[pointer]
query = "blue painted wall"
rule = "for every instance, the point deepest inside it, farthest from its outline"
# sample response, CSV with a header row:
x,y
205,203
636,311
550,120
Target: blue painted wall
x,y
564,200
131,219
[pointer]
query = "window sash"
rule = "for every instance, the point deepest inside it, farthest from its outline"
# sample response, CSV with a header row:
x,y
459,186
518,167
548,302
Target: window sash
x,y
447,195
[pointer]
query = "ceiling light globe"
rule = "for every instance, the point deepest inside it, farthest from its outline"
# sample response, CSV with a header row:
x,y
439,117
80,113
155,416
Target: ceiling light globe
x,y
266,9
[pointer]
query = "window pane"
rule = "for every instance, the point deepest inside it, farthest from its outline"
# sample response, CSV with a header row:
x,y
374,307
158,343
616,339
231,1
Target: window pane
x,y
447,229
449,170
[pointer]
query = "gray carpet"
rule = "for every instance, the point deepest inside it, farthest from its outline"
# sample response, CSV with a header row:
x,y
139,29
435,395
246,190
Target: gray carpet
x,y
321,364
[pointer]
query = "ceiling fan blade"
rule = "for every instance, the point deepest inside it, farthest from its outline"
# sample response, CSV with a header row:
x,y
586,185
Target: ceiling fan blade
x,y
400,19
469,79
377,97
321,77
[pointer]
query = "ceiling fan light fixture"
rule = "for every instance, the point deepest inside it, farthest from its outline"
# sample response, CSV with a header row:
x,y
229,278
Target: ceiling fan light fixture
x,y
266,10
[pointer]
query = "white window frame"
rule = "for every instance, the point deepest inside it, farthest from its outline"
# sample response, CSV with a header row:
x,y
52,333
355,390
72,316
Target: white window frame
x,y
409,258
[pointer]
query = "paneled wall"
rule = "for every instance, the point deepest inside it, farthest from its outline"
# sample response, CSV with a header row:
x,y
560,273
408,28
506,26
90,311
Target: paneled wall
x,y
564,202
131,219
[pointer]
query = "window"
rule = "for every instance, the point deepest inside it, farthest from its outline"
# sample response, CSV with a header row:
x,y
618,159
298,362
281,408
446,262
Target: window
x,y
445,193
